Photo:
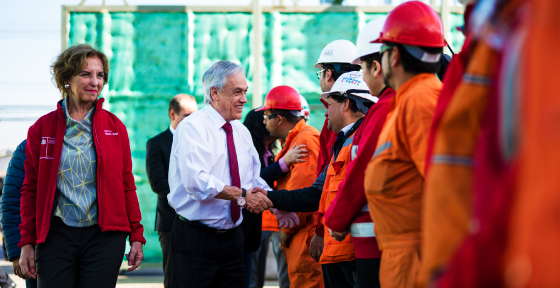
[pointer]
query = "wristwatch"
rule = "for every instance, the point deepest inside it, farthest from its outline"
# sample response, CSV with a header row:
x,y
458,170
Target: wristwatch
x,y
241,200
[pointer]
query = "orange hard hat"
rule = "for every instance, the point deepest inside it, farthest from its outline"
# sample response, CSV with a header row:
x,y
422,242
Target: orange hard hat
x,y
413,23
283,98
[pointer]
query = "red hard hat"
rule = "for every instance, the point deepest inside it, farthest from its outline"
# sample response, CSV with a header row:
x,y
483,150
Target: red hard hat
x,y
283,98
413,23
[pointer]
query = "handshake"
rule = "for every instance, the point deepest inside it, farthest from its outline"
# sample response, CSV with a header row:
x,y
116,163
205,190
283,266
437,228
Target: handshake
x,y
256,200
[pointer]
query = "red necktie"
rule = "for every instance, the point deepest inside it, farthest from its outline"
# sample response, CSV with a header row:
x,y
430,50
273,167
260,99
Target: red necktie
x,y
233,171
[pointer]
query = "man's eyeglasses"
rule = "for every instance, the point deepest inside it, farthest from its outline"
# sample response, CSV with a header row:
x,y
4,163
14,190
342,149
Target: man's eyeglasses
x,y
319,73
268,117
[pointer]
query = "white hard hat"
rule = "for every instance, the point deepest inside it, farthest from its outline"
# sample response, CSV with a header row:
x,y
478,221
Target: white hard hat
x,y
338,51
371,31
305,111
353,86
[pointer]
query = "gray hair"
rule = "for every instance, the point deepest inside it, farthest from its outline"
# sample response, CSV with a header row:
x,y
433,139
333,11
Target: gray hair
x,y
216,76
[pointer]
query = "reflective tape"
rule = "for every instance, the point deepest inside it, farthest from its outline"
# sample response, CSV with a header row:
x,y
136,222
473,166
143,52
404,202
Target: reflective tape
x,y
474,79
354,151
452,159
382,148
362,230
422,55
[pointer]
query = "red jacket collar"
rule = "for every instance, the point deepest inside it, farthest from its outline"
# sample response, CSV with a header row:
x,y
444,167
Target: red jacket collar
x,y
98,106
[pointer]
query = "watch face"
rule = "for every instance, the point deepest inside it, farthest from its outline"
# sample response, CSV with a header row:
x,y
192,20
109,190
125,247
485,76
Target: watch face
x,y
241,201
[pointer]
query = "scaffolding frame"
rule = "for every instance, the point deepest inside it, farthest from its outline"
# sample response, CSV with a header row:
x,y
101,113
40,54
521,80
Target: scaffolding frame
x,y
254,8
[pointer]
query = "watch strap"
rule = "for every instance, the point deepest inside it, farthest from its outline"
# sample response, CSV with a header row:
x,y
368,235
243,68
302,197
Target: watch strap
x,y
243,192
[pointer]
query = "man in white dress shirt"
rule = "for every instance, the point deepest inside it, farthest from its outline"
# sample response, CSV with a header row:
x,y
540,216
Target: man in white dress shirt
x,y
213,172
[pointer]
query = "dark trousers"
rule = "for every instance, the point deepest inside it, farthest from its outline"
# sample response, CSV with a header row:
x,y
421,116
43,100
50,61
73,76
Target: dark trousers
x,y
165,242
204,258
79,257
367,272
339,275
248,266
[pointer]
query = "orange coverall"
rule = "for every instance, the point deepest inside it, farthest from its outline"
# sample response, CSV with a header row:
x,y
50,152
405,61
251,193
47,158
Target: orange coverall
x,y
303,271
447,200
335,251
533,250
395,179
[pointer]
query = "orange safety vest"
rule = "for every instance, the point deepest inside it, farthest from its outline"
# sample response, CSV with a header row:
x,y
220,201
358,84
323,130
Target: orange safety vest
x,y
269,222
303,271
394,181
335,251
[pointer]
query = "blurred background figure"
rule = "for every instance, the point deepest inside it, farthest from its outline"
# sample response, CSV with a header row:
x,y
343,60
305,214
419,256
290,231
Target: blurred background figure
x,y
158,151
82,195
272,171
11,218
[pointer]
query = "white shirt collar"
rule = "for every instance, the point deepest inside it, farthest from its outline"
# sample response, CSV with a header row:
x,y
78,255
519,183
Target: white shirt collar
x,y
347,128
171,129
216,118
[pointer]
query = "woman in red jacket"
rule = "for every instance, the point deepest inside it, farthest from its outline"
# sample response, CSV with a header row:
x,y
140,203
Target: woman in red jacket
x,y
78,202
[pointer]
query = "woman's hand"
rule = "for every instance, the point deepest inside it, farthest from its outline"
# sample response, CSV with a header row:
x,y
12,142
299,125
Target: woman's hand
x,y
17,269
295,154
27,261
135,256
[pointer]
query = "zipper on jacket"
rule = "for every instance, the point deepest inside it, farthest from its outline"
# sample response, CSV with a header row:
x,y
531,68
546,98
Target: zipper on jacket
x,y
99,159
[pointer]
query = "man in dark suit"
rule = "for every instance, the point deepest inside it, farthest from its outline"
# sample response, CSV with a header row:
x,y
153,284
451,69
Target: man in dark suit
x,y
158,150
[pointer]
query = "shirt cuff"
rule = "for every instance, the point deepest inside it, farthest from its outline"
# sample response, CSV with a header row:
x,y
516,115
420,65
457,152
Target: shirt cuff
x,y
283,165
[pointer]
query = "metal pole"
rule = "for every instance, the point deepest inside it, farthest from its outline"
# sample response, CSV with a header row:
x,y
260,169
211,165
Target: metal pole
x,y
257,94
445,19
65,27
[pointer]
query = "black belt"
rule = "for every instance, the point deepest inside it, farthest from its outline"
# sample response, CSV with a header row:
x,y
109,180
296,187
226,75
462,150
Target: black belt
x,y
206,228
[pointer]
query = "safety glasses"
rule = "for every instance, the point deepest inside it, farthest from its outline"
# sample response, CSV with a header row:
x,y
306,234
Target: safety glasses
x,y
319,73
384,48
268,117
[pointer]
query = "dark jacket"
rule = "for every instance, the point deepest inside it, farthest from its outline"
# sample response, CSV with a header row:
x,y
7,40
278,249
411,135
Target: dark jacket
x,y
252,223
158,151
10,202
118,208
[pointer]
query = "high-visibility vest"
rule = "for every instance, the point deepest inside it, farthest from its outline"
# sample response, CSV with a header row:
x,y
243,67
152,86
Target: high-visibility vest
x,y
335,251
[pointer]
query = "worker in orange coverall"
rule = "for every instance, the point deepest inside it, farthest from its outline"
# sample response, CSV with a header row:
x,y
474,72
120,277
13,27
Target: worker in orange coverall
x,y
283,119
532,248
412,40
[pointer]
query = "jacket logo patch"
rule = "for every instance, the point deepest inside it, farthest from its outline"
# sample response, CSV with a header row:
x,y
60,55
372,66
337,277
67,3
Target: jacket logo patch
x,y
110,133
47,148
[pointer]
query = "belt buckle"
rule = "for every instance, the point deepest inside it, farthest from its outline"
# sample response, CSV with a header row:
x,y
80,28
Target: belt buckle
x,y
221,231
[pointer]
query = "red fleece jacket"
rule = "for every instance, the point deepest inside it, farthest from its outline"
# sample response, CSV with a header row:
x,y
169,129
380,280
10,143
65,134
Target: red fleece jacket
x,y
118,208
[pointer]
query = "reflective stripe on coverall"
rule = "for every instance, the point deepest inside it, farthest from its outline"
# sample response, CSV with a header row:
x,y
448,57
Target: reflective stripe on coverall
x,y
395,179
302,269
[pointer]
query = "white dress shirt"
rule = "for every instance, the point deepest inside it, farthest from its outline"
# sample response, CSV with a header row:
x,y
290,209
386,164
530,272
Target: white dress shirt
x,y
199,167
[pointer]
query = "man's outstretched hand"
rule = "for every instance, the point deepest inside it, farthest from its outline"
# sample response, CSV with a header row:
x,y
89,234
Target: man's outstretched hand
x,y
257,201
285,219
